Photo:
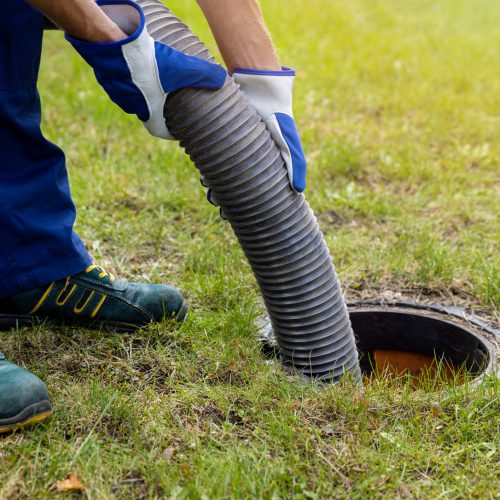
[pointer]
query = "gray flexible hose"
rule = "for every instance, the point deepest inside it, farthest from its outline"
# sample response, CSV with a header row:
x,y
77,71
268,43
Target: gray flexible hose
x,y
231,147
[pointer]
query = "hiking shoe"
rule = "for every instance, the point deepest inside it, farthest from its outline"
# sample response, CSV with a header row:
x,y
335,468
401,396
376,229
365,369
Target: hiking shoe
x,y
94,298
23,397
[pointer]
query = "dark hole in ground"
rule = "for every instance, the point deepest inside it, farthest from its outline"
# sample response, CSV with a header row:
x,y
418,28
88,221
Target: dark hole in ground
x,y
423,346
422,341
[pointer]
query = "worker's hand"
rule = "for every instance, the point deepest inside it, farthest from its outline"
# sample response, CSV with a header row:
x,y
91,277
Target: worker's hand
x,y
137,72
270,93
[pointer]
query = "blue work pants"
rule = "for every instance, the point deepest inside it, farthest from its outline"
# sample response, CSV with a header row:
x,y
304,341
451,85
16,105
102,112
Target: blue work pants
x,y
37,241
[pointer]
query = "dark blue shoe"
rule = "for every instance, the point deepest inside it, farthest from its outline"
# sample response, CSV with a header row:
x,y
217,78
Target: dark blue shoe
x,y
94,298
23,397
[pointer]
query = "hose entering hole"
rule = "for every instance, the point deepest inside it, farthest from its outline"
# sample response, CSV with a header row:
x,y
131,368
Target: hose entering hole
x,y
231,147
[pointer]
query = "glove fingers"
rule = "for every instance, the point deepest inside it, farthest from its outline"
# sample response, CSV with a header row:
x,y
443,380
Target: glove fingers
x,y
203,181
222,213
178,70
156,126
211,198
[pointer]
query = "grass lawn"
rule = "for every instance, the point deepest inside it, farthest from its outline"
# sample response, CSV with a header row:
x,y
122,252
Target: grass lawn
x,y
399,107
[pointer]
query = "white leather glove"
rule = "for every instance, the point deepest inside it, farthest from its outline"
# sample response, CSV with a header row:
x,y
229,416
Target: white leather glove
x,y
271,94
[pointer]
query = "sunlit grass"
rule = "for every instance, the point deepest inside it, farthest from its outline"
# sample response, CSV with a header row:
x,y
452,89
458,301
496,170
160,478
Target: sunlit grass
x,y
398,104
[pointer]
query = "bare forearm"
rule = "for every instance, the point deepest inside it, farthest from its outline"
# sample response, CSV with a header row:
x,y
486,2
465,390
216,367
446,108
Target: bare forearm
x,y
82,19
241,34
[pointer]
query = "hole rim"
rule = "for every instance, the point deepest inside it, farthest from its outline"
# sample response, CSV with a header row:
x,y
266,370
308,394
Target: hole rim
x,y
453,317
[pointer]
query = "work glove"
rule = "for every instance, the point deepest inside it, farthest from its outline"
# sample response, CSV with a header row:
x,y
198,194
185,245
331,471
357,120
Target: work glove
x,y
138,73
271,94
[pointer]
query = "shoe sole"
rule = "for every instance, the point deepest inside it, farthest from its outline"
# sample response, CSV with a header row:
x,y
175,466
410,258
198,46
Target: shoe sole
x,y
9,321
32,414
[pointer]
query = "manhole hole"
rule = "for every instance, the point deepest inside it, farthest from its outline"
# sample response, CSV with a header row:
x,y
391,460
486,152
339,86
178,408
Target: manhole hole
x,y
416,339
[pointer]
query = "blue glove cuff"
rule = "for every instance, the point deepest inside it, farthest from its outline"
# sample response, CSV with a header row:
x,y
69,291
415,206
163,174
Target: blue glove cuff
x,y
284,71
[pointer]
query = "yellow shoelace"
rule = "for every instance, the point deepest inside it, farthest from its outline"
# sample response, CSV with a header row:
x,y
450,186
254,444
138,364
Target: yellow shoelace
x,y
102,273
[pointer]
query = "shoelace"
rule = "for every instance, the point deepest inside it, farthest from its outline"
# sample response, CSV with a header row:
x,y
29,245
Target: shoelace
x,y
102,273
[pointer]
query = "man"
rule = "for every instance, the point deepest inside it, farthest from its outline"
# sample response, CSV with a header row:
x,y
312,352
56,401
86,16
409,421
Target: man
x,y
45,270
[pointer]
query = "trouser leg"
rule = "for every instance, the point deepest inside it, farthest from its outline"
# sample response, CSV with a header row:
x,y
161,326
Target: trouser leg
x,y
37,241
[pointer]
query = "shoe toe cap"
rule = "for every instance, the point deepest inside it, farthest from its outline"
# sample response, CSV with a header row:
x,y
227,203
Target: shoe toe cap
x,y
19,389
162,302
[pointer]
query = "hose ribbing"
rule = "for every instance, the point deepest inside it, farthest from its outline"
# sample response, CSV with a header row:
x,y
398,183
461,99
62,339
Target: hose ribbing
x,y
231,147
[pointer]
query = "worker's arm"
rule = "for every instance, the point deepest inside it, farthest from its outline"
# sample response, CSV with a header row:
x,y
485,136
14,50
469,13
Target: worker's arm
x,y
249,53
82,19
237,25
241,34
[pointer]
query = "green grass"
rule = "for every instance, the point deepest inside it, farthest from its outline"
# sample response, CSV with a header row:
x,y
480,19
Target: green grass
x,y
399,107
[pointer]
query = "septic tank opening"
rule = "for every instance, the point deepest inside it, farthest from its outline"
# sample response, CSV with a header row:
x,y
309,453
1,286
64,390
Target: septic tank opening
x,y
397,342
415,340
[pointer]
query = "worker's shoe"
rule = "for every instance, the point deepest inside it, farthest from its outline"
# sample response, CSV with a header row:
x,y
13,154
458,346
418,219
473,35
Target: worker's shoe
x,y
94,298
23,397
